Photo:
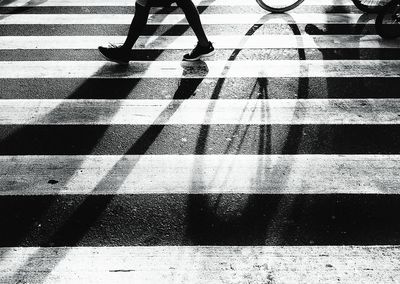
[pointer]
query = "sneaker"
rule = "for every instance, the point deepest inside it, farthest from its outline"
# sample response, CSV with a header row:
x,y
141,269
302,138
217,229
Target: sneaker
x,y
199,52
116,54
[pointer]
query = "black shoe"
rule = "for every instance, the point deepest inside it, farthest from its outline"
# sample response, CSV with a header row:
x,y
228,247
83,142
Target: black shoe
x,y
116,54
199,52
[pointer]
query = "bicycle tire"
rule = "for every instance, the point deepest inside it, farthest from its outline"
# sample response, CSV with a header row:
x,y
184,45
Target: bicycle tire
x,y
274,9
388,30
370,6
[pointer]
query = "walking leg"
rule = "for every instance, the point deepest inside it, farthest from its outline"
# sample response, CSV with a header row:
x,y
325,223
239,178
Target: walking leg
x,y
193,18
138,23
122,54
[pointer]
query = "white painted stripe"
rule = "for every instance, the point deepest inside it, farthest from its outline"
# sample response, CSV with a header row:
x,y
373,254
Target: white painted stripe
x,y
200,69
65,3
201,264
195,174
179,19
186,42
203,112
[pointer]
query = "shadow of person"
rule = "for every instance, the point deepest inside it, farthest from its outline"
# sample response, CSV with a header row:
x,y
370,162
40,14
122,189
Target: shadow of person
x,y
28,4
87,209
49,140
78,223
76,226
75,140
67,139
356,87
21,9
358,139
84,139
31,212
192,75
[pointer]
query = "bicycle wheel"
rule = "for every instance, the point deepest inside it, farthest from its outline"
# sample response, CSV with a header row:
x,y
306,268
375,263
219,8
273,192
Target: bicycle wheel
x,y
279,6
387,22
370,6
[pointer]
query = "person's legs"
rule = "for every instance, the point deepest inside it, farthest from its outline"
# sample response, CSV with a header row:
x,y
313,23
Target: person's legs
x,y
142,10
204,47
193,18
121,54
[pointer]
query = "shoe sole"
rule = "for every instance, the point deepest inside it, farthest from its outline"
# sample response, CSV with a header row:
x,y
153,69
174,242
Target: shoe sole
x,y
113,60
200,56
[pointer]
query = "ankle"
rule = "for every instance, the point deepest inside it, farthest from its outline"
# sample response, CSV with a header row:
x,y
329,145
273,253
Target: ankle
x,y
204,43
125,48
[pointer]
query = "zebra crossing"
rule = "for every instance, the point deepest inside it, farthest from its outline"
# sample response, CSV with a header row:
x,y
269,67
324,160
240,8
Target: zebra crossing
x,y
275,161
95,3
219,174
177,19
186,42
202,263
196,112
173,69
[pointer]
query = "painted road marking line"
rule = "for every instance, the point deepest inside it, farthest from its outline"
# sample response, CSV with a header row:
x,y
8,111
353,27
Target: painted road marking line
x,y
199,174
179,19
201,264
200,112
66,3
200,69
186,42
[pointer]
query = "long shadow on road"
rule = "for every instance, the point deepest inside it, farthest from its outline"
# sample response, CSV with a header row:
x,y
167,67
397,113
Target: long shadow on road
x,y
259,216
70,229
335,219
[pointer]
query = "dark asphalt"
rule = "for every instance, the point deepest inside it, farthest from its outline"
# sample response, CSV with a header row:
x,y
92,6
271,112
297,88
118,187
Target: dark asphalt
x,y
130,220
171,10
208,88
198,139
115,30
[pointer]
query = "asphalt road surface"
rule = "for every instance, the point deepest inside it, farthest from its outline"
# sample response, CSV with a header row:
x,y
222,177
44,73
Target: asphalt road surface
x,y
274,161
